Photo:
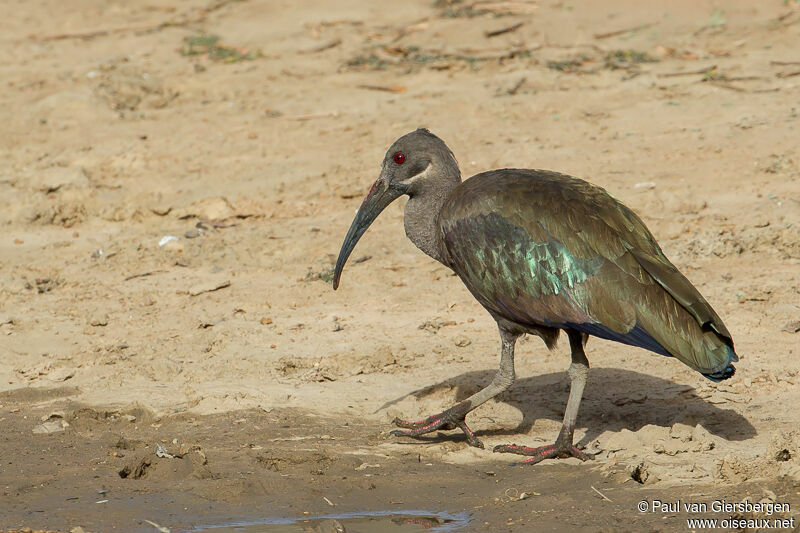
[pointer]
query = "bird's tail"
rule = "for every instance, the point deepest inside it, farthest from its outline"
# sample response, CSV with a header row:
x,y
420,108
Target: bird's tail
x,y
680,334
726,354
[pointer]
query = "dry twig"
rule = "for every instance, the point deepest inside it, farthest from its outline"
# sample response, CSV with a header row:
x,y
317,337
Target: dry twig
x,y
501,31
311,116
143,274
687,73
601,494
514,8
388,89
579,45
321,48
621,32
502,54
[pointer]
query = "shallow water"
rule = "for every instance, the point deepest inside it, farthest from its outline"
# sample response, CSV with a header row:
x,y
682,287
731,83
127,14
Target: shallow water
x,y
356,522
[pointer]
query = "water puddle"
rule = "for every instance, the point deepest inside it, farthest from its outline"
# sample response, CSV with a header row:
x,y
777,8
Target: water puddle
x,y
357,522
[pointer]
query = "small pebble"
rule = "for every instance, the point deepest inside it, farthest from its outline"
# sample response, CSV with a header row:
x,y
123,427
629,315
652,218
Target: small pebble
x,y
100,319
54,425
192,233
166,239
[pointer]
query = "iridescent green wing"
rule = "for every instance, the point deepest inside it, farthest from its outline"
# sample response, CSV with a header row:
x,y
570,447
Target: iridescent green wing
x,y
542,248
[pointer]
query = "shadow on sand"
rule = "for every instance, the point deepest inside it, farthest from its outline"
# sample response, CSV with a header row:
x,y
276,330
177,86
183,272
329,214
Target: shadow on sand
x,y
614,399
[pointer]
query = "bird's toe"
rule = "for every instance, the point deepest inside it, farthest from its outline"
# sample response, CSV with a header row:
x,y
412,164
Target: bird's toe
x,y
446,420
539,454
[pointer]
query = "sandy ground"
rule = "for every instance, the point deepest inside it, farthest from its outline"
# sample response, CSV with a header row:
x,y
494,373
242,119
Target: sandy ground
x,y
123,123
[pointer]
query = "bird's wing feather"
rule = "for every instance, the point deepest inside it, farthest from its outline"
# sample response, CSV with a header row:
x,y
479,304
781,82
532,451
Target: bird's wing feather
x,y
671,279
544,248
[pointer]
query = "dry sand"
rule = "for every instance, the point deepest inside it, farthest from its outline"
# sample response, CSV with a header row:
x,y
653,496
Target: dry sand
x,y
228,347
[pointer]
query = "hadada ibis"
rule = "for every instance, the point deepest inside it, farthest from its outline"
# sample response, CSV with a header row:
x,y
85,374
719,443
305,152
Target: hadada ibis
x,y
542,252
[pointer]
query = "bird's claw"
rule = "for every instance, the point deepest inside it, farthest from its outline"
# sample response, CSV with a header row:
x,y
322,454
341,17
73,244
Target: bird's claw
x,y
558,450
450,419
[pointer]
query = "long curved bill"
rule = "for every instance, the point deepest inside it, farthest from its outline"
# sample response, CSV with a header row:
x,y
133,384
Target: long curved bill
x,y
379,196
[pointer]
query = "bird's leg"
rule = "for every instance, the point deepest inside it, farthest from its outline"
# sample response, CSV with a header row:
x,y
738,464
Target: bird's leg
x,y
454,417
563,447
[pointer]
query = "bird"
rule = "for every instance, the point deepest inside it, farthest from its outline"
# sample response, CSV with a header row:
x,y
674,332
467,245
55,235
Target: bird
x,y
542,252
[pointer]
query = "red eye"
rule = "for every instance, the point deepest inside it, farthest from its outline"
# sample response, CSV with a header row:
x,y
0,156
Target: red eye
x,y
399,158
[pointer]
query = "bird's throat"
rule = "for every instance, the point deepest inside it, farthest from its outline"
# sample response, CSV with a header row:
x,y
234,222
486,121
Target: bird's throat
x,y
421,221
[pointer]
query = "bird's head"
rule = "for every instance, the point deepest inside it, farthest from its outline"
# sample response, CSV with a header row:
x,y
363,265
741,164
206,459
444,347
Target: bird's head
x,y
417,163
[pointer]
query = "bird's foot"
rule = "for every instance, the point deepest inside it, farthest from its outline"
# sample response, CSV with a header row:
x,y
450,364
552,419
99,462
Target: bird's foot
x,y
450,419
559,450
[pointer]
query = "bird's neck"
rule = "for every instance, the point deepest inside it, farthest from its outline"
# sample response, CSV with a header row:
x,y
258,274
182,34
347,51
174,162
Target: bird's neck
x,y
421,217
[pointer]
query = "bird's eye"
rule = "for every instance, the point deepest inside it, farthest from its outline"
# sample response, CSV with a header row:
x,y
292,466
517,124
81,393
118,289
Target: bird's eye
x,y
399,158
